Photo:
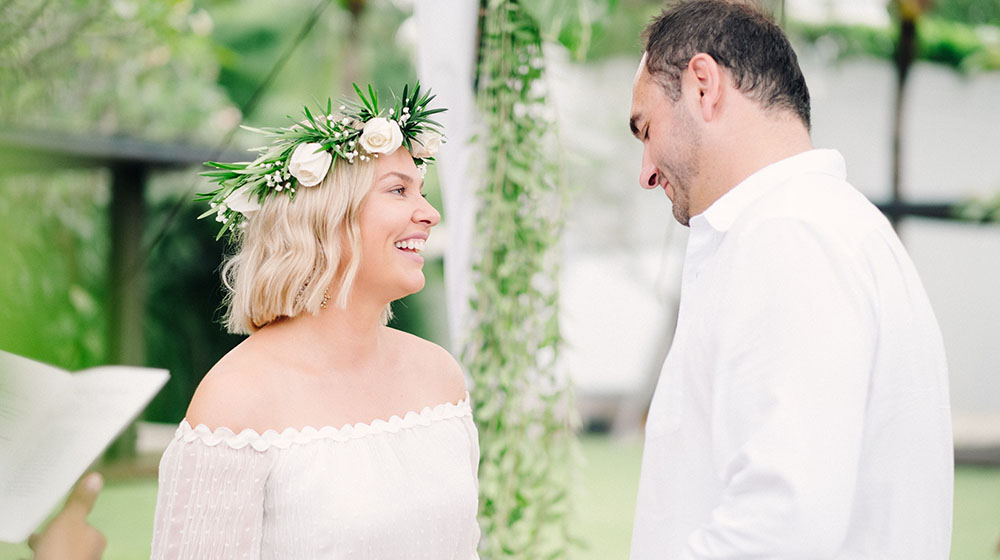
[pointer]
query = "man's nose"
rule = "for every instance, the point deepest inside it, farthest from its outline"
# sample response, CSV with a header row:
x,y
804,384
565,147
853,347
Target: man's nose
x,y
649,176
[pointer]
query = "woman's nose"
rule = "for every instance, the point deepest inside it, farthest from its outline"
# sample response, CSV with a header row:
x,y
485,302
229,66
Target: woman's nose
x,y
427,214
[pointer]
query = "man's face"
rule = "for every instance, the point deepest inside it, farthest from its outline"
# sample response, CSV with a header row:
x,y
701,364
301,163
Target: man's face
x,y
670,142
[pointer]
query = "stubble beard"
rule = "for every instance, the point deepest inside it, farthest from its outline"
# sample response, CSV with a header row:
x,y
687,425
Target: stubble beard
x,y
681,205
685,166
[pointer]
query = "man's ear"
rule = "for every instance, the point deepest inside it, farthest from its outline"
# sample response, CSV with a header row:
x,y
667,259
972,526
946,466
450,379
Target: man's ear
x,y
708,80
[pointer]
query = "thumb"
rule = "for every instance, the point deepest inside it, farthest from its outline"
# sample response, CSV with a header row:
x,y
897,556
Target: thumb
x,y
81,499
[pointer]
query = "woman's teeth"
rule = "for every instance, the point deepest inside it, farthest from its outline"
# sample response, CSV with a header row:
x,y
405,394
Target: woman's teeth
x,y
416,245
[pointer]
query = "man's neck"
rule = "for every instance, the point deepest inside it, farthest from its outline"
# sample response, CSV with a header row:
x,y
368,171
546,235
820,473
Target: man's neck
x,y
749,146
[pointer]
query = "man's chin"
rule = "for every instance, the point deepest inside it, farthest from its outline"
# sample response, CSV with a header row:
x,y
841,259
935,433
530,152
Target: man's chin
x,y
682,217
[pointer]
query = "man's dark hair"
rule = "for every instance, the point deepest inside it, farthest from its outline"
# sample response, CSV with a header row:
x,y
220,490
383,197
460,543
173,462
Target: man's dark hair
x,y
741,38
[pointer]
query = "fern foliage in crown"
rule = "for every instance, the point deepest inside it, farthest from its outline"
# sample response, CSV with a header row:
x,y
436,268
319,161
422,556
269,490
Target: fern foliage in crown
x,y
302,154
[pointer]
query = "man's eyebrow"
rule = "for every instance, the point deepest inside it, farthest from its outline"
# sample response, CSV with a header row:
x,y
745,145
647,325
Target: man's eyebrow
x,y
633,126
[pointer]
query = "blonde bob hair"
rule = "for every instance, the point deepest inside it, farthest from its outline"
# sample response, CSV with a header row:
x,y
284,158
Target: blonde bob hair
x,y
292,251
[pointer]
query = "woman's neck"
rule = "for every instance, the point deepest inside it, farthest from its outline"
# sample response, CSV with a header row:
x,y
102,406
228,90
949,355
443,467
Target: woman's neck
x,y
343,338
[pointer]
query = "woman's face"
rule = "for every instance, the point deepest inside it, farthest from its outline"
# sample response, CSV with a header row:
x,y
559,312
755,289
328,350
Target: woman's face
x,y
395,221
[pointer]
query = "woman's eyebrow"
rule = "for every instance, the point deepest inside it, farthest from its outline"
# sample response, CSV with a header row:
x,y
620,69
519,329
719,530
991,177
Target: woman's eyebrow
x,y
402,176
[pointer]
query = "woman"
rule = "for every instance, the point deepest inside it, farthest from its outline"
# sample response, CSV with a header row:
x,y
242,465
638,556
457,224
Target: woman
x,y
326,434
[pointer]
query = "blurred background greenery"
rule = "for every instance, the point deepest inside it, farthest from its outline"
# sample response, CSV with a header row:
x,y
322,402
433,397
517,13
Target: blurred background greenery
x,y
187,73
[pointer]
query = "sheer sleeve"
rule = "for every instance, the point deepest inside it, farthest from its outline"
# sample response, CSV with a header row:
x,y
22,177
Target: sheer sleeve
x,y
473,433
210,501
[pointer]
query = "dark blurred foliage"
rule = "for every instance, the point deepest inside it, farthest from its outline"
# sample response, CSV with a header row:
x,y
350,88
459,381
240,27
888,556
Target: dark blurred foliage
x,y
184,333
973,12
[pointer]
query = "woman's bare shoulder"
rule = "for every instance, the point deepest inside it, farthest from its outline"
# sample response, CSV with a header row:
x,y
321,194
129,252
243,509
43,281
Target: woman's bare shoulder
x,y
433,364
233,394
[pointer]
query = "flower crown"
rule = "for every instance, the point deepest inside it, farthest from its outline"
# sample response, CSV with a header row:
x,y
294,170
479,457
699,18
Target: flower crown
x,y
302,154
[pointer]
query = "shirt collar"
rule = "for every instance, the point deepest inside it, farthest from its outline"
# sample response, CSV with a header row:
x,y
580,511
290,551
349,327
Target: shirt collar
x,y
724,211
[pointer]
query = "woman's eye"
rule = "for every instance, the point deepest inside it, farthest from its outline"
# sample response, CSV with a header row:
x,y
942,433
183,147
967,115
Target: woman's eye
x,y
399,190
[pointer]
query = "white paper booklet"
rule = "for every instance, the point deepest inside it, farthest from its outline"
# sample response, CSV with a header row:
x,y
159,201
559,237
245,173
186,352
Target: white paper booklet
x,y
53,425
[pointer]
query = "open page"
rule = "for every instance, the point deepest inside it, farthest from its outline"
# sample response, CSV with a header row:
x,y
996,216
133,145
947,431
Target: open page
x,y
53,425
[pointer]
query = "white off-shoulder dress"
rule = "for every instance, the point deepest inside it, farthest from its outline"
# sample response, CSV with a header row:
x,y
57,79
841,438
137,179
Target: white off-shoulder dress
x,y
396,489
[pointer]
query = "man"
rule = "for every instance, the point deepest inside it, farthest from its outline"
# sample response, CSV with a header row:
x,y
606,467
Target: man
x,y
802,411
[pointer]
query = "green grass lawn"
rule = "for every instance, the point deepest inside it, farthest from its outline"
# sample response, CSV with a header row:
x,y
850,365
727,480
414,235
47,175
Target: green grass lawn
x,y
605,503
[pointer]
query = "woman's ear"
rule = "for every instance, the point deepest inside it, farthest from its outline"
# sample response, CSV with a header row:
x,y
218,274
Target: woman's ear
x,y
708,81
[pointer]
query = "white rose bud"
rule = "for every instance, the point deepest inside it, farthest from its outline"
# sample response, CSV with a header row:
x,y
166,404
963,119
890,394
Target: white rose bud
x,y
425,145
381,136
243,201
308,165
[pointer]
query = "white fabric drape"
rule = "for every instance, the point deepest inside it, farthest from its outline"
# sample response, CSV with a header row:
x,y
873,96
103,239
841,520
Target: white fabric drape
x,y
446,60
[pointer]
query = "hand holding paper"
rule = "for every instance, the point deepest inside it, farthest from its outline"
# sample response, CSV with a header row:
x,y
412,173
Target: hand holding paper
x,y
68,536
53,425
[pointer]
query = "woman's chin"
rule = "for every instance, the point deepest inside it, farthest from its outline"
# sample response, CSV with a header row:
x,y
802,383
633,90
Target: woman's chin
x,y
411,286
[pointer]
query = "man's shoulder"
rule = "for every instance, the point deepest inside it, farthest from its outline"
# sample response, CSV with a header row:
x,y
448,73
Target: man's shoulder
x,y
817,202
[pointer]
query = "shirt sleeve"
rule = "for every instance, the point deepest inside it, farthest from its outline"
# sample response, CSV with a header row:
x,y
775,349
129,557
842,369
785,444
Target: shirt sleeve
x,y
210,501
794,326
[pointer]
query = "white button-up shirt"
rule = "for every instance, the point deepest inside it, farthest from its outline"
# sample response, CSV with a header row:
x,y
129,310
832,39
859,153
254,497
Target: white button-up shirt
x,y
802,411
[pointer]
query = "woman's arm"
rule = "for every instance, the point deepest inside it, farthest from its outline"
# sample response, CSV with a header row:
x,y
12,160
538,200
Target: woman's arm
x,y
210,502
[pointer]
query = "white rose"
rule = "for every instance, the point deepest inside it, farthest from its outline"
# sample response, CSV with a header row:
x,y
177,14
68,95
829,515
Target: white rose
x,y
243,201
381,136
308,165
426,144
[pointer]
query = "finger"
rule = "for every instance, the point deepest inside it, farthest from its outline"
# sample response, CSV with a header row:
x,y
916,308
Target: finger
x,y
81,499
98,544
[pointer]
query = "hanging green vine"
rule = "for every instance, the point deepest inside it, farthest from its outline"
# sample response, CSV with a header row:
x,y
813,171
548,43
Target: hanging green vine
x,y
523,404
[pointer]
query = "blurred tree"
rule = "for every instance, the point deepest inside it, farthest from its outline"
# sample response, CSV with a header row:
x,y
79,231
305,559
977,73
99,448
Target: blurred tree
x,y
961,34
573,23
350,53
907,13
143,69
